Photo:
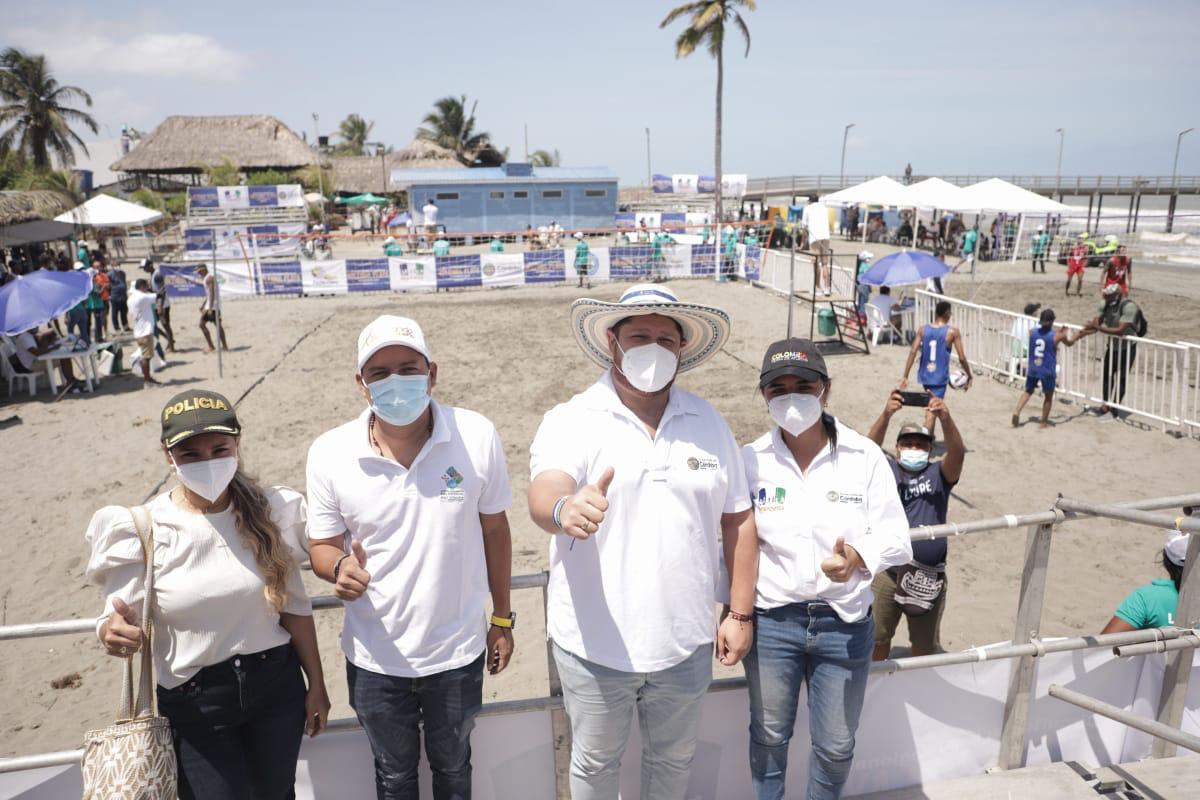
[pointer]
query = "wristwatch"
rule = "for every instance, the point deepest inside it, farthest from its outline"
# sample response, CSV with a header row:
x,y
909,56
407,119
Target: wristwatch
x,y
509,622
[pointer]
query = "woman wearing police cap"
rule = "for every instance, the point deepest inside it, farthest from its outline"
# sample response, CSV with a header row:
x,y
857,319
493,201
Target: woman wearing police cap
x,y
234,636
829,518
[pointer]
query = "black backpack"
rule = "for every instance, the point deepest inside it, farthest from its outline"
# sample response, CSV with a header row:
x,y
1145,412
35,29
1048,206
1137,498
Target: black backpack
x,y
1140,325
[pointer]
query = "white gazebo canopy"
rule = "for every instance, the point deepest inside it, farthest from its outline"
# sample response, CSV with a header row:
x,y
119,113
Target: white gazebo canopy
x,y
934,193
881,191
999,195
106,211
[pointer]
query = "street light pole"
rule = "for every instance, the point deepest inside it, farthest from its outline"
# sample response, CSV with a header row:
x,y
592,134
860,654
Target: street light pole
x,y
842,173
1062,135
649,175
1174,171
320,174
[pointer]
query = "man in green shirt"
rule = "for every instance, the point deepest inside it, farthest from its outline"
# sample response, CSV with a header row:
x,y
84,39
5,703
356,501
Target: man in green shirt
x,y
970,239
442,246
497,245
1040,247
391,248
1119,318
658,270
1153,606
582,262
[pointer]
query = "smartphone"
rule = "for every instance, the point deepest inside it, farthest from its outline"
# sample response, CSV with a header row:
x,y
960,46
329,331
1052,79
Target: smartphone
x,y
920,399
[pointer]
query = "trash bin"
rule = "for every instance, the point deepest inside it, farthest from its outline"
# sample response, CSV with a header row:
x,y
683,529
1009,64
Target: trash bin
x,y
827,322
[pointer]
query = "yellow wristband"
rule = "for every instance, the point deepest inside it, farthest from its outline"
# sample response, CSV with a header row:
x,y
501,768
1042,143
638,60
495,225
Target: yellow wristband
x,y
501,622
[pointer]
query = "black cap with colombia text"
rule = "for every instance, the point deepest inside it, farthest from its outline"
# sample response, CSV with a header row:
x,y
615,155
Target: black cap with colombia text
x,y
794,356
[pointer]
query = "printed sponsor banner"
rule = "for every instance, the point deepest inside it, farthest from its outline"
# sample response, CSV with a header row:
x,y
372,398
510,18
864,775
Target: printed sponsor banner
x,y
458,271
235,279
269,241
550,266
368,275
752,258
281,278
663,184
413,274
263,196
198,240
630,263
598,260
625,219
684,183
182,280
325,277
677,260
704,259
240,241
233,196
673,221
502,269
733,185
203,197
707,184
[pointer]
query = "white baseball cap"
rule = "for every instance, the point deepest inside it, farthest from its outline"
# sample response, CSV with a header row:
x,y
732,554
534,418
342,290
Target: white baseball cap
x,y
386,331
1176,547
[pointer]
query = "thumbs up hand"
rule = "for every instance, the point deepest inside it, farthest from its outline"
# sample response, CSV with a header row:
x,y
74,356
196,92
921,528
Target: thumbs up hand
x,y
583,512
353,577
844,562
120,633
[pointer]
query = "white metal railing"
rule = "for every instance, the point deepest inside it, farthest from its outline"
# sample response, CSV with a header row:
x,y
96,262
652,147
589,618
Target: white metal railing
x,y
1159,379
1189,390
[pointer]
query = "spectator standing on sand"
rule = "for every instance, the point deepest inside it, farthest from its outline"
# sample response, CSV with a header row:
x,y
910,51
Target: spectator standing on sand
x,y
1040,247
917,590
210,309
1042,365
141,308
118,296
162,303
430,213
582,260
1119,318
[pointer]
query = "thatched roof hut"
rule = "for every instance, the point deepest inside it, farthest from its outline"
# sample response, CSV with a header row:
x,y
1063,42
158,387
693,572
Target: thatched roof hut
x,y
18,207
359,174
189,144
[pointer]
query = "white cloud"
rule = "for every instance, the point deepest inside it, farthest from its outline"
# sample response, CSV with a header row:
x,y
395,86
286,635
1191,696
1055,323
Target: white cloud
x,y
146,54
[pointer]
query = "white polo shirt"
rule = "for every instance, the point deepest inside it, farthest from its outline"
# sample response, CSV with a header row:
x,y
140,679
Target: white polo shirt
x,y
816,219
424,611
849,493
638,595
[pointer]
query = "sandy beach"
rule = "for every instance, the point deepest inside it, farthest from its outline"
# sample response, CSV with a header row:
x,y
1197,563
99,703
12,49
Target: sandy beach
x,y
509,354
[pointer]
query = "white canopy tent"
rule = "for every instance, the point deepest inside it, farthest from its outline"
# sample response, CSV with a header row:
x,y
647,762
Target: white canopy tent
x,y
999,195
106,211
934,193
881,191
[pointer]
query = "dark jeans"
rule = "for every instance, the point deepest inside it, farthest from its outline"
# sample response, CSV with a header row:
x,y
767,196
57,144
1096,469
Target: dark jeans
x,y
77,323
97,317
238,726
392,711
120,314
1118,358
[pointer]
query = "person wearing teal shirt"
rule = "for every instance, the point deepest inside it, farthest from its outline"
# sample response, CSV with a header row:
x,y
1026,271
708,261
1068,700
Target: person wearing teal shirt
x,y
707,233
970,239
1153,606
391,248
497,245
582,260
83,255
441,247
657,267
1040,247
728,251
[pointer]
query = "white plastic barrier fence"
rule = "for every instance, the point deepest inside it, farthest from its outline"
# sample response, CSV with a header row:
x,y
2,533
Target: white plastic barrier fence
x,y
1158,377
1189,393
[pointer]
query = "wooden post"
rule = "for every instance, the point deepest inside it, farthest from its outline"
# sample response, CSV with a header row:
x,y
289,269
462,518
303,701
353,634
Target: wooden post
x,y
1029,620
1179,663
560,726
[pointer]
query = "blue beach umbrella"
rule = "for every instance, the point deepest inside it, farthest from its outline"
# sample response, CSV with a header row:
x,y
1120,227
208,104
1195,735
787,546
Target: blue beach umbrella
x,y
903,268
39,297
400,219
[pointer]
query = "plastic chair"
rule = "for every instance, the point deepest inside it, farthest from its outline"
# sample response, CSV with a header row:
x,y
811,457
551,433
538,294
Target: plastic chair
x,y
877,324
7,349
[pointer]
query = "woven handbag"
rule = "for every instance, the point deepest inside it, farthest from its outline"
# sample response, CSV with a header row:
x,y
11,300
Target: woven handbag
x,y
134,758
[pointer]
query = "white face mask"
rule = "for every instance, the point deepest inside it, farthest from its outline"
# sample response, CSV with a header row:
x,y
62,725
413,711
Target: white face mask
x,y
649,367
207,478
795,413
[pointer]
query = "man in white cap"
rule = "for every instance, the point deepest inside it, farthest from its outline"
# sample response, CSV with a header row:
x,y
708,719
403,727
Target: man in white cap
x,y
392,248
641,483
582,260
406,516
1154,605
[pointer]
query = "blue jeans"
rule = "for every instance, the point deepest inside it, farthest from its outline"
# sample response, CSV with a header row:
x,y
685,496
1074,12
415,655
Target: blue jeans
x,y
77,323
237,727
392,710
793,644
600,702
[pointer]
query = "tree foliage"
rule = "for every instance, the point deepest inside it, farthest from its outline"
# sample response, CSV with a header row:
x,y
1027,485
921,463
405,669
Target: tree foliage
x,y
39,112
544,158
354,132
451,126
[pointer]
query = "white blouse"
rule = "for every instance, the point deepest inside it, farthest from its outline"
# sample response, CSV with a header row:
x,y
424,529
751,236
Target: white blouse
x,y
209,599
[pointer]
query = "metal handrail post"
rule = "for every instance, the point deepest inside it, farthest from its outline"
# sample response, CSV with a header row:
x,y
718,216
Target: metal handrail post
x,y
560,726
1164,734
1029,619
1179,663
1184,524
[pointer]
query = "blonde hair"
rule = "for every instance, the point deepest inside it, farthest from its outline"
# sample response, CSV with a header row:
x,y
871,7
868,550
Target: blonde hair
x,y
252,513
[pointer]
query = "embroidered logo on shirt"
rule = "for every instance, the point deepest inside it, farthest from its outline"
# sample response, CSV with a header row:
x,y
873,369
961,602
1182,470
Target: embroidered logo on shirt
x,y
768,500
853,499
831,496
697,464
452,493
453,478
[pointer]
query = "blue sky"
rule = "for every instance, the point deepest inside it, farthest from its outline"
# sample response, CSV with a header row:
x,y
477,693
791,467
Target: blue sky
x,y
953,87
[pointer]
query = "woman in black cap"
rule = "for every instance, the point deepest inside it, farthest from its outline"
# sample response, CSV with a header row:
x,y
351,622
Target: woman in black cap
x,y
829,519
234,635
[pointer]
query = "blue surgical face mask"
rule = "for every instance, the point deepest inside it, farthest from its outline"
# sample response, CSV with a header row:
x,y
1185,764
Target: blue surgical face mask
x,y
399,399
914,460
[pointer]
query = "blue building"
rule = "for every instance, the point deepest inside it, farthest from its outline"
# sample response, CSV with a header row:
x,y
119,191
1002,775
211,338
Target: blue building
x,y
512,196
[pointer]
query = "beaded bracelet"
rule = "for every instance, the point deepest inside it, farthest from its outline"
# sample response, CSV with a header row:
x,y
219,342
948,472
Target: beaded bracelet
x,y
556,515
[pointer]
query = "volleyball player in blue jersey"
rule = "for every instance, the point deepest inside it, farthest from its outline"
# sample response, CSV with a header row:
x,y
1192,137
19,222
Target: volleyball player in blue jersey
x,y
1043,364
932,346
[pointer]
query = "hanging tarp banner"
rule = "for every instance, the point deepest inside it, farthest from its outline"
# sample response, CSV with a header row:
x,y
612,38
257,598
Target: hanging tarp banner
x,y
238,197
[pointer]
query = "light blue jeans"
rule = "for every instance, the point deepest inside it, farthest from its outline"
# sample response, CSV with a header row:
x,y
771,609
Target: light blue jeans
x,y
600,703
793,644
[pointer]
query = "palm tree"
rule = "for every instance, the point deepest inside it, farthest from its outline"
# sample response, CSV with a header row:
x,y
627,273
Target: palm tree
x,y
35,107
450,126
707,27
60,181
543,158
355,131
